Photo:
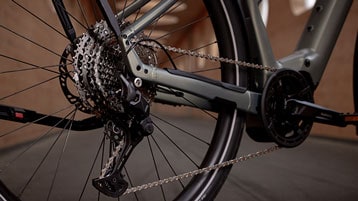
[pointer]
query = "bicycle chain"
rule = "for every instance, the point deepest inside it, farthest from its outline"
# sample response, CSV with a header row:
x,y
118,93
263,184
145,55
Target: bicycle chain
x,y
207,56
202,170
109,164
208,168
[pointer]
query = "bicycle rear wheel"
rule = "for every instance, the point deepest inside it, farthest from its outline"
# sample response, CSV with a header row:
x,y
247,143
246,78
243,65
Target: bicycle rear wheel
x,y
40,162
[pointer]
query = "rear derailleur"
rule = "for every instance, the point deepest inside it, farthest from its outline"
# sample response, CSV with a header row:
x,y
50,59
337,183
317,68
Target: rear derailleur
x,y
125,131
124,137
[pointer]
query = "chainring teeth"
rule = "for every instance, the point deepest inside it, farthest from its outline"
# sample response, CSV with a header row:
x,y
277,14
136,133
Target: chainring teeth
x,y
282,86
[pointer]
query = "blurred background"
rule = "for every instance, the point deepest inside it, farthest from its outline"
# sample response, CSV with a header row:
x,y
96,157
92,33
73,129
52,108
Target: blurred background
x,y
285,22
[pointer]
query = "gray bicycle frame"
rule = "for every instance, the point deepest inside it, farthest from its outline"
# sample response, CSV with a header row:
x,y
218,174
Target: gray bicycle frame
x,y
311,56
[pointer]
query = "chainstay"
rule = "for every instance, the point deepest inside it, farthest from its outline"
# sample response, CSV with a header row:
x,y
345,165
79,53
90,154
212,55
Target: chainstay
x,y
202,170
207,56
208,168
215,166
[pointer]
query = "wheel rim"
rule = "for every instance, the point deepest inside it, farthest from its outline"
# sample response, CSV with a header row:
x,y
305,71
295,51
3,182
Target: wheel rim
x,y
59,139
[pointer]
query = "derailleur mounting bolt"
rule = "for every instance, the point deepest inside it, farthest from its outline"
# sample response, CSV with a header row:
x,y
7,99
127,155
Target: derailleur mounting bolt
x,y
138,82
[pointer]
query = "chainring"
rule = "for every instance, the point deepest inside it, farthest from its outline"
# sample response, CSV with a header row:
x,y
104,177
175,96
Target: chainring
x,y
282,86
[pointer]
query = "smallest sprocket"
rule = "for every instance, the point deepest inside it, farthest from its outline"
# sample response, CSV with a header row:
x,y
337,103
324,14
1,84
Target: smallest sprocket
x,y
282,86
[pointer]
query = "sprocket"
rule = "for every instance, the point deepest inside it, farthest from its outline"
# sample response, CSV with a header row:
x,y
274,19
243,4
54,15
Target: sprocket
x,y
100,73
282,86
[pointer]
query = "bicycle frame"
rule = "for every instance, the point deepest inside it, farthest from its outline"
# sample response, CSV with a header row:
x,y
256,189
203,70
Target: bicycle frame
x,y
311,56
318,39
189,85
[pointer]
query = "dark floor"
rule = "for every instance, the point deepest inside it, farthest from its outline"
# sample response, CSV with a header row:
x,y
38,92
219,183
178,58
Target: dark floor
x,y
319,169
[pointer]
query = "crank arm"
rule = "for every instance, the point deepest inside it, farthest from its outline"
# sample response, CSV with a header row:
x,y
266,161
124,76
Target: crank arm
x,y
22,115
316,113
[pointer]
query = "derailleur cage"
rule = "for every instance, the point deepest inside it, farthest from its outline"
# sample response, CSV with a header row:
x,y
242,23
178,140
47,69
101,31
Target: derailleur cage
x,y
113,185
125,137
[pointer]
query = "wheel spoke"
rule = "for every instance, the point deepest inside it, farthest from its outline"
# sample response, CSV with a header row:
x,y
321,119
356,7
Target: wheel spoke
x,y
61,155
155,23
73,17
102,163
37,67
167,160
28,88
123,10
38,18
82,12
130,182
176,145
180,129
33,122
45,156
155,166
31,41
186,26
92,167
47,68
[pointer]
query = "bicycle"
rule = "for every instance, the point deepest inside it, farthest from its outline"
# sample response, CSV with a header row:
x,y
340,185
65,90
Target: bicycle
x,y
116,71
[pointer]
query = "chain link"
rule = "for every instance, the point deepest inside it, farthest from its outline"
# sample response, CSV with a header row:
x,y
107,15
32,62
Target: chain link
x,y
109,164
202,170
208,56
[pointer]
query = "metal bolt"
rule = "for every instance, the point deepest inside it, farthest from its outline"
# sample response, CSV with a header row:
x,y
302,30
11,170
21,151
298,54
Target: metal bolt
x,y
138,82
149,128
319,8
310,28
307,63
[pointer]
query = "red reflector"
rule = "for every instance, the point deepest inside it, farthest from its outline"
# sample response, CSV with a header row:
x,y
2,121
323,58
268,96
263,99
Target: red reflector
x,y
19,115
351,118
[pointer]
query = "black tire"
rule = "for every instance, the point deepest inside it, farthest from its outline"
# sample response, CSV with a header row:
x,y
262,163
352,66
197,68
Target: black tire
x,y
229,29
230,32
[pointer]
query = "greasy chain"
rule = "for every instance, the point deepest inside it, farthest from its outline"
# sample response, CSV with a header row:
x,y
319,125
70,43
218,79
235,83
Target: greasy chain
x,y
215,166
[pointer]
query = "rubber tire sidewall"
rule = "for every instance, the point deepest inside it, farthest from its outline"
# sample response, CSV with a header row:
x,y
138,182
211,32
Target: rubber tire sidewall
x,y
230,33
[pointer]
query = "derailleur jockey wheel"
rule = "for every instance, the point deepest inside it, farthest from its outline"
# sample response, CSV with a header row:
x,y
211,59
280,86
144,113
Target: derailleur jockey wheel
x,y
282,86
